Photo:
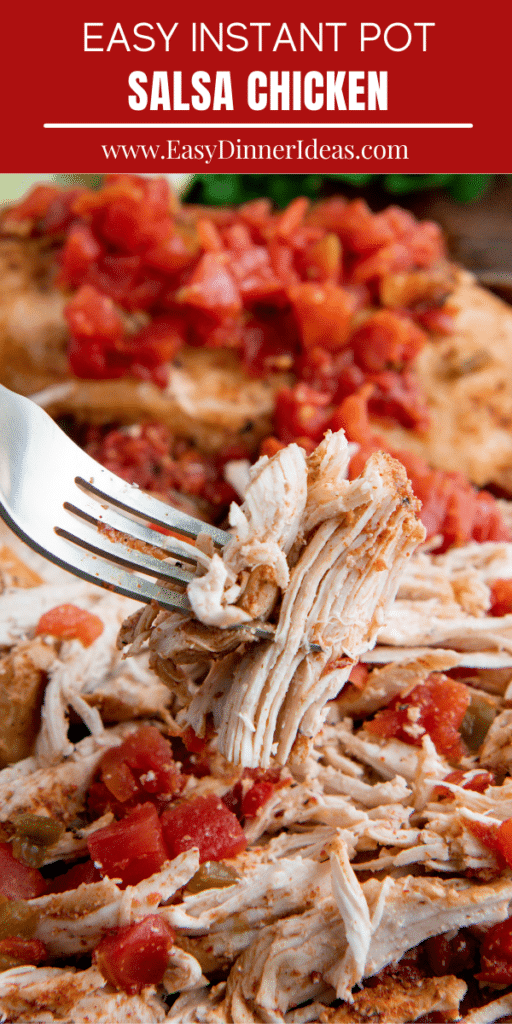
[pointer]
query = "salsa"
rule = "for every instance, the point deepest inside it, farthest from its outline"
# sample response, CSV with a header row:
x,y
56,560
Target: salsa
x,y
339,297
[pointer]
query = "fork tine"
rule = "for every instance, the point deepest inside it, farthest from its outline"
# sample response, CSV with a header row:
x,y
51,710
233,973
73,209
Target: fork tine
x,y
119,553
104,519
114,578
135,502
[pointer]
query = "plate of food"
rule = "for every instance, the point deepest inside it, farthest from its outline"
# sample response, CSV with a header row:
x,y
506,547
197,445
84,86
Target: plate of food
x,y
199,824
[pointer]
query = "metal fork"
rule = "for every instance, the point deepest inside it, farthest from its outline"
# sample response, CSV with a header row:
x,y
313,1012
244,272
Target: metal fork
x,y
70,509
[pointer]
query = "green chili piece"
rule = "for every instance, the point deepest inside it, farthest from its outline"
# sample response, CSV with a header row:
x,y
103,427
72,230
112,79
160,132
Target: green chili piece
x,y
476,723
213,875
17,918
38,829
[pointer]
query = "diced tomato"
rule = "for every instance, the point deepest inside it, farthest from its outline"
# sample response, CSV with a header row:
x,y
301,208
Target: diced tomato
x,y
360,229
376,265
451,506
130,849
17,880
142,768
138,955
352,417
478,783
451,955
436,707
205,822
27,951
504,839
324,313
81,249
67,622
269,344
488,835
79,874
246,801
212,287
397,396
35,203
322,260
173,252
194,743
501,597
159,341
256,797
301,412
496,955
90,314
359,675
385,341
270,446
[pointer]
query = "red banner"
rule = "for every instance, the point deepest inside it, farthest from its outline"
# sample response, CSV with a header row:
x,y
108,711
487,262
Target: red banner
x,y
402,87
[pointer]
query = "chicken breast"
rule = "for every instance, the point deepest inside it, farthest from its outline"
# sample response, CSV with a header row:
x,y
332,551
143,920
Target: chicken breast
x,y
465,378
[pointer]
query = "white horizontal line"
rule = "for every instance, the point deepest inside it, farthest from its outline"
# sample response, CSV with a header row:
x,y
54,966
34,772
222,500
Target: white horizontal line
x,y
271,124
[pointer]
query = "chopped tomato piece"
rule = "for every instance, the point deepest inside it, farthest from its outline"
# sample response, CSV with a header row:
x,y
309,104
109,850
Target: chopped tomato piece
x,y
81,249
27,951
18,881
451,506
360,229
205,822
301,412
352,417
270,446
256,797
159,341
85,872
397,396
488,835
195,744
67,622
478,783
436,707
35,203
142,768
496,955
501,597
386,341
212,287
246,801
137,955
359,675
504,840
130,849
90,314
451,955
324,313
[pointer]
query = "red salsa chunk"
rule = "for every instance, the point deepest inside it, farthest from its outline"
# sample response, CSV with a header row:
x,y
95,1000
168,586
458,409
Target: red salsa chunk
x,y
204,822
497,838
26,951
130,849
501,597
18,881
141,769
496,955
67,622
252,791
135,956
436,707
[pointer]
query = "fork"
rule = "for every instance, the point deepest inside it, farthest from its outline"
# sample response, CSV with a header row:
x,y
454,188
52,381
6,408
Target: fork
x,y
69,508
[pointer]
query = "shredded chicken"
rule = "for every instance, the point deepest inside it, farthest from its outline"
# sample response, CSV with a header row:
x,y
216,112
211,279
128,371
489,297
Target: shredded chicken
x,y
335,550
361,851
